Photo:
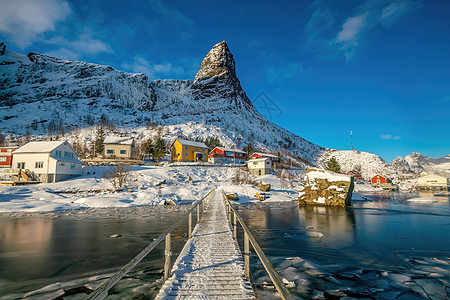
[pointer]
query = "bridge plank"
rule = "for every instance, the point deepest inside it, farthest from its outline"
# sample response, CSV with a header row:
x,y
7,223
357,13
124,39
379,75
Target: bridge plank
x,y
210,265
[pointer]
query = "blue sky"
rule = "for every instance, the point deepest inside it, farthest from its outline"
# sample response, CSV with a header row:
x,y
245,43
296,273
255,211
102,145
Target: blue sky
x,y
378,68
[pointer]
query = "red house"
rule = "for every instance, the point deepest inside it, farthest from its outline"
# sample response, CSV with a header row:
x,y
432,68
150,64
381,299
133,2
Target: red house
x,y
6,156
378,179
273,158
221,155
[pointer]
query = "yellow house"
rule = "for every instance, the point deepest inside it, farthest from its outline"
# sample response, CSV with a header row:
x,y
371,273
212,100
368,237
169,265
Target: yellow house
x,y
183,150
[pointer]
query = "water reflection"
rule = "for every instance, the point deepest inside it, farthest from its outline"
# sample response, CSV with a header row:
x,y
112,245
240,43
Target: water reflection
x,y
43,248
337,223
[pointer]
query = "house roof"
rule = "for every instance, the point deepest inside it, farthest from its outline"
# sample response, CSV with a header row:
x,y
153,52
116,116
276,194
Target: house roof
x,y
191,143
118,140
230,150
265,154
257,159
39,147
67,160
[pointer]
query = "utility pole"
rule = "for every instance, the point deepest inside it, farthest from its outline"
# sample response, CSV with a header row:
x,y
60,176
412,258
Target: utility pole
x,y
351,139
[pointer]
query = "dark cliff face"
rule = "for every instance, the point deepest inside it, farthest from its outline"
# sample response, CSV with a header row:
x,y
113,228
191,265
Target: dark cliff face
x,y
2,48
217,78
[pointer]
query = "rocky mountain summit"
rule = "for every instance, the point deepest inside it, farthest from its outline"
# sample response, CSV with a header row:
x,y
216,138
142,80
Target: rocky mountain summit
x,y
217,78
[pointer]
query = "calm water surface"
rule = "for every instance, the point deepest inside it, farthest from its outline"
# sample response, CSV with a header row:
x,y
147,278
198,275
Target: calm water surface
x,y
384,248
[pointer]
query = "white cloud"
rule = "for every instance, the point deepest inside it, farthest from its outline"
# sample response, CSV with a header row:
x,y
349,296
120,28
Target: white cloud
x,y
184,68
319,26
390,137
367,17
351,28
348,38
393,11
22,21
85,44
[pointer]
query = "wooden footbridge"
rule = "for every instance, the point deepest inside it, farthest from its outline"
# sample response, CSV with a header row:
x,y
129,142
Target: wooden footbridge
x,y
211,265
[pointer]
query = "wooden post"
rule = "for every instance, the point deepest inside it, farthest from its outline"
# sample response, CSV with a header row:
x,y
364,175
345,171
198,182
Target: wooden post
x,y
235,226
198,213
203,206
246,255
190,225
168,254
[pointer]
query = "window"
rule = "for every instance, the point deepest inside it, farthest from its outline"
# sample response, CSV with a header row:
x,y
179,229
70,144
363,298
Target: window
x,y
186,154
39,164
123,151
186,147
174,148
20,165
65,154
2,158
110,151
203,149
62,164
72,166
70,155
58,153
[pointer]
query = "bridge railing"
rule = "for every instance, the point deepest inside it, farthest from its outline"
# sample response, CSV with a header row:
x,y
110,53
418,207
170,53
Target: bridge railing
x,y
233,217
199,208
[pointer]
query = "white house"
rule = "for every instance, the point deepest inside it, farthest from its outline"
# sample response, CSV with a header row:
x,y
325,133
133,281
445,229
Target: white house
x,y
50,161
433,182
260,166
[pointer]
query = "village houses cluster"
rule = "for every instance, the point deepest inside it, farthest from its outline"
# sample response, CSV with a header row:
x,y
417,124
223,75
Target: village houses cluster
x,y
52,161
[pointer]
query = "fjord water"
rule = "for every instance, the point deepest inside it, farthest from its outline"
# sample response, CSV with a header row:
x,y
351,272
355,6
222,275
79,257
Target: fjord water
x,y
81,247
384,248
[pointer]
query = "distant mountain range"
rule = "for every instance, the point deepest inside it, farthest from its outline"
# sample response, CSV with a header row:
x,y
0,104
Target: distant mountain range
x,y
47,95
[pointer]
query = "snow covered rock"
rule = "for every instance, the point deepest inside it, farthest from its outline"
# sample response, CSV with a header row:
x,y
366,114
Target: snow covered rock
x,y
401,164
323,187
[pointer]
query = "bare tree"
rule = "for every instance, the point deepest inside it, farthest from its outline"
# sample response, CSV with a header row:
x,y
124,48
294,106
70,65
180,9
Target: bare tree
x,y
118,175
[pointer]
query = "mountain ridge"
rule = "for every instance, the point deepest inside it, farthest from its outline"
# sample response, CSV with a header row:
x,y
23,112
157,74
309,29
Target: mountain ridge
x,y
69,92
53,93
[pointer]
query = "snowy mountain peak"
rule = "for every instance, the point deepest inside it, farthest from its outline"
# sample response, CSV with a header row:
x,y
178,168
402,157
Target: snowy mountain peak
x,y
218,62
217,79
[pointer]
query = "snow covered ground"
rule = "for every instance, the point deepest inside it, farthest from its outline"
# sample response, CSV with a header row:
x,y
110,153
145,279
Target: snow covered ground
x,y
148,185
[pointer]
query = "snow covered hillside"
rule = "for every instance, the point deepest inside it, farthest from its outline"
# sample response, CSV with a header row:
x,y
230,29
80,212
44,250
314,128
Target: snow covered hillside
x,y
371,164
54,94
417,163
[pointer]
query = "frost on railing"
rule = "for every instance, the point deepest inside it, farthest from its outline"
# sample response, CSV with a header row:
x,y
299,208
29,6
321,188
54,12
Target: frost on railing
x,y
197,209
233,217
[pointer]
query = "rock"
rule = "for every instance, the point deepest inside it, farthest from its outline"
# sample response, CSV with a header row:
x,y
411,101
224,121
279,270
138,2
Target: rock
x,y
161,183
233,196
2,48
323,187
264,187
217,77
116,235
